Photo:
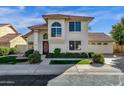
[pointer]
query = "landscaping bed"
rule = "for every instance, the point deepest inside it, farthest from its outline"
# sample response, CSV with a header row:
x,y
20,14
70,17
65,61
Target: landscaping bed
x,y
85,61
11,60
67,55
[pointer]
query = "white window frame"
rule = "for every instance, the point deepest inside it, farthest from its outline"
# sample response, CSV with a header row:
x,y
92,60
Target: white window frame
x,y
74,26
75,45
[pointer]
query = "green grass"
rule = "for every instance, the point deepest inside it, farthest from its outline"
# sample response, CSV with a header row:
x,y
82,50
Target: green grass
x,y
86,61
8,60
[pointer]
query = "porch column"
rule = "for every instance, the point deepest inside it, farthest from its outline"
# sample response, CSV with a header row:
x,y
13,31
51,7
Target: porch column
x,y
36,40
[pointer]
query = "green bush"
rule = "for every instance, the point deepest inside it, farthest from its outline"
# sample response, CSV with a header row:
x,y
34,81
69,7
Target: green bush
x,y
8,60
35,57
28,52
98,58
57,51
0,51
84,55
12,51
67,55
90,54
4,51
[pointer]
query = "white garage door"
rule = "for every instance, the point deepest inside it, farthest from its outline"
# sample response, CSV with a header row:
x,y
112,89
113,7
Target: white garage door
x,y
100,48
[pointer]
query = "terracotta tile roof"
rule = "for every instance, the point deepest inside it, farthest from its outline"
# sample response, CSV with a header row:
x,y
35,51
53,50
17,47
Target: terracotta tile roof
x,y
99,37
42,26
7,38
66,16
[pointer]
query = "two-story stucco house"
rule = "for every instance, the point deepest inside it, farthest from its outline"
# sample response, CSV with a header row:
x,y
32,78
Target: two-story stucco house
x,y
69,33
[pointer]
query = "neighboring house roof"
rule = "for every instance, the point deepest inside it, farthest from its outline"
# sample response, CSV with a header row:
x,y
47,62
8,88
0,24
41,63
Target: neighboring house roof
x,y
27,34
7,38
67,17
3,25
6,24
98,37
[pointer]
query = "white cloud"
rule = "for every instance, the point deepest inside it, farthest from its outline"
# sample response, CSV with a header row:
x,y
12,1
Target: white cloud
x,y
21,7
6,10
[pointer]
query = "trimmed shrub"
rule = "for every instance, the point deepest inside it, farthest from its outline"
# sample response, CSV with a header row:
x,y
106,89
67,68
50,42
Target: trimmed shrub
x,y
67,55
90,54
4,51
98,58
8,60
84,55
35,57
12,51
28,52
57,51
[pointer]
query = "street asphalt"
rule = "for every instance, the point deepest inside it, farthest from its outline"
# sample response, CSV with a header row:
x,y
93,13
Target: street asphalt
x,y
62,80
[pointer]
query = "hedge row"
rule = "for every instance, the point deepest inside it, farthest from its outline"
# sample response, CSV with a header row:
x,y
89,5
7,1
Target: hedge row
x,y
70,55
6,51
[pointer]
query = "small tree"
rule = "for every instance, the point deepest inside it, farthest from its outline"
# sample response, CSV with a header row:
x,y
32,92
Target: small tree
x,y
118,32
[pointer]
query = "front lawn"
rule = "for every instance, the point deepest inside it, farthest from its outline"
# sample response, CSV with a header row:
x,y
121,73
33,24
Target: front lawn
x,y
86,61
8,60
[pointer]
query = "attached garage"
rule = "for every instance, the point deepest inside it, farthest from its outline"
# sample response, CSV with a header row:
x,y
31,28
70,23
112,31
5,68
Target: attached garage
x,y
100,43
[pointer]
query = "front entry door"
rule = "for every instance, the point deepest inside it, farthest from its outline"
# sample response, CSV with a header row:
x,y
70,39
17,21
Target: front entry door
x,y
45,47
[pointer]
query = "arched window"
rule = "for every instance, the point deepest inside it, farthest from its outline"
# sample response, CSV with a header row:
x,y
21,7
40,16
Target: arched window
x,y
56,29
45,36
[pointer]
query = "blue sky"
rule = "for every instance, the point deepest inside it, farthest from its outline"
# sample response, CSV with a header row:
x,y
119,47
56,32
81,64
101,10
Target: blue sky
x,y
23,16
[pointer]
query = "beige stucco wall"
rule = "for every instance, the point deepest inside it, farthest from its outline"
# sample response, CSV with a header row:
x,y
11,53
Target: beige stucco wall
x,y
32,38
77,36
68,36
6,30
20,43
107,49
57,42
5,45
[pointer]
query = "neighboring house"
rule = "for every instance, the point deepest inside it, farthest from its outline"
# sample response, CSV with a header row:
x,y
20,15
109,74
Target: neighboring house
x,y
10,38
69,33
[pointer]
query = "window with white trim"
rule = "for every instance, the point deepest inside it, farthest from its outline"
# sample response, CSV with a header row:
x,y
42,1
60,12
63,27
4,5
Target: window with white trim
x,y
74,45
56,29
75,26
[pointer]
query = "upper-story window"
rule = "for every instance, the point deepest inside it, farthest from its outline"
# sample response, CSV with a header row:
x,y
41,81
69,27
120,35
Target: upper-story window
x,y
56,29
74,26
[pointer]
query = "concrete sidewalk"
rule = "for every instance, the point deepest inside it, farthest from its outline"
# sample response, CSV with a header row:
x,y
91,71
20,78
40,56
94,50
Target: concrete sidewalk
x,y
45,69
